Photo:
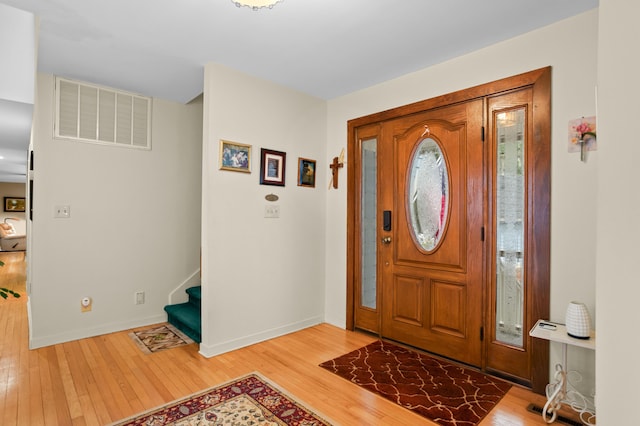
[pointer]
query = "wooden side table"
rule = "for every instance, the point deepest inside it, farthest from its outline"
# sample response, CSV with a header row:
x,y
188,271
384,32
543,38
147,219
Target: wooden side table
x,y
557,393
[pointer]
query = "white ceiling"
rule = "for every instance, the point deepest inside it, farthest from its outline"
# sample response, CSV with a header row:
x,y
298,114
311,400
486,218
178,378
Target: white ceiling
x,y
326,48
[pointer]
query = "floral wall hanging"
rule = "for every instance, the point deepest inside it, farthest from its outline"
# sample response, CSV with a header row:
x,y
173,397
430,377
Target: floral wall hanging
x,y
582,136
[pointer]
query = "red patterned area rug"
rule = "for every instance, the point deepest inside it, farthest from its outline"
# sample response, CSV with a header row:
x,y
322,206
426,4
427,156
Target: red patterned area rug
x,y
249,400
443,392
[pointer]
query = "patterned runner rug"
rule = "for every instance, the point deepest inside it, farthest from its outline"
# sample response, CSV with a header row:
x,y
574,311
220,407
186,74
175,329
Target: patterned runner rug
x,y
159,338
249,400
443,392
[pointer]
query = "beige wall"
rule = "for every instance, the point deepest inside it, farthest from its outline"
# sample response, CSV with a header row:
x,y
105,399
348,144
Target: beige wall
x,y
134,225
18,49
618,209
17,54
571,52
261,277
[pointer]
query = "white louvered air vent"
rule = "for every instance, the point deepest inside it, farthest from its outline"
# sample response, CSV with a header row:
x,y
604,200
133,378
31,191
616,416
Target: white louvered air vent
x,y
90,113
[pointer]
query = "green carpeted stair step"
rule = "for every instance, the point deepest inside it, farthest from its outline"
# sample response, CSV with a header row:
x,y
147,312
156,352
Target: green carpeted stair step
x,y
186,316
195,295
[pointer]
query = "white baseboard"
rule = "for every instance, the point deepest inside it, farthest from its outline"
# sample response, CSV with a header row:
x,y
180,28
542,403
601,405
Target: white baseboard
x,y
96,331
209,351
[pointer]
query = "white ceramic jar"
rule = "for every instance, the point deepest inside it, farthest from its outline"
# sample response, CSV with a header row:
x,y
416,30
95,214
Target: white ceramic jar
x,y
578,321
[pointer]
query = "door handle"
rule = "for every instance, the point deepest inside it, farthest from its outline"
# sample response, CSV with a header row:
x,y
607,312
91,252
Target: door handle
x,y
386,240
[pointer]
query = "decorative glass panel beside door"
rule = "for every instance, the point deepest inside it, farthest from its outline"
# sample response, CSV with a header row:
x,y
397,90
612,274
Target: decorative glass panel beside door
x,y
368,221
510,198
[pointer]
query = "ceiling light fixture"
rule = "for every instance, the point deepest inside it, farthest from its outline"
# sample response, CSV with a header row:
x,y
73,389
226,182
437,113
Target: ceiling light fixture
x,y
256,4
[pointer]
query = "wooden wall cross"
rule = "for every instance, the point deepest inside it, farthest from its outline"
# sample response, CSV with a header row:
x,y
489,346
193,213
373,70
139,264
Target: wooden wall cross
x,y
336,165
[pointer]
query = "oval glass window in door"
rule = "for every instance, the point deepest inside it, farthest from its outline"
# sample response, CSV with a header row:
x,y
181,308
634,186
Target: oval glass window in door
x,y
428,195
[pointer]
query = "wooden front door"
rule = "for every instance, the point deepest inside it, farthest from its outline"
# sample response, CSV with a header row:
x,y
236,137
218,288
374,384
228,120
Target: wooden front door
x,y
438,287
432,292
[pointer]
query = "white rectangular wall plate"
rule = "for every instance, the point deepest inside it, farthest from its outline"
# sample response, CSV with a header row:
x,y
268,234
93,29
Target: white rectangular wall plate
x,y
272,211
62,212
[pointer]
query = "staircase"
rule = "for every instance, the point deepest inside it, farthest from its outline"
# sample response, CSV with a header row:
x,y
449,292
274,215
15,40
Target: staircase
x,y
186,316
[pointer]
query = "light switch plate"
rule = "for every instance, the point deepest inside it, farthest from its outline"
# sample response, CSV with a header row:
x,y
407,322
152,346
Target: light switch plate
x,y
271,211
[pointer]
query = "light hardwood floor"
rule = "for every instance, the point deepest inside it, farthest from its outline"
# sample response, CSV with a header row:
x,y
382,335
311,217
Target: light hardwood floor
x,y
102,379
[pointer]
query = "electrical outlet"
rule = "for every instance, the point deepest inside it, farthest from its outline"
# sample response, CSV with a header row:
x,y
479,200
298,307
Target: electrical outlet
x,y
62,212
86,304
139,297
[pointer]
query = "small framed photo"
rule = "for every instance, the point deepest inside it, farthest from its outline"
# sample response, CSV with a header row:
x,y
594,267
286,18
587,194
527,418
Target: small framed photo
x,y
13,204
235,156
272,167
306,172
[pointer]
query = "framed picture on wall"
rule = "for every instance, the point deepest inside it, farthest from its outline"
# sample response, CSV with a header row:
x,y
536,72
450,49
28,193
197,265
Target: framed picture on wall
x,y
272,167
306,172
235,156
13,204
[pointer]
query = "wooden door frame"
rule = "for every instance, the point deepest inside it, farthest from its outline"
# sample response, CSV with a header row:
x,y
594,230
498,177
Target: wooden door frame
x,y
540,80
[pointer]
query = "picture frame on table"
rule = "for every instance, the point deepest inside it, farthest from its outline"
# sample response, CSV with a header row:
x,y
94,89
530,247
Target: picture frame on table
x,y
272,167
235,157
306,172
